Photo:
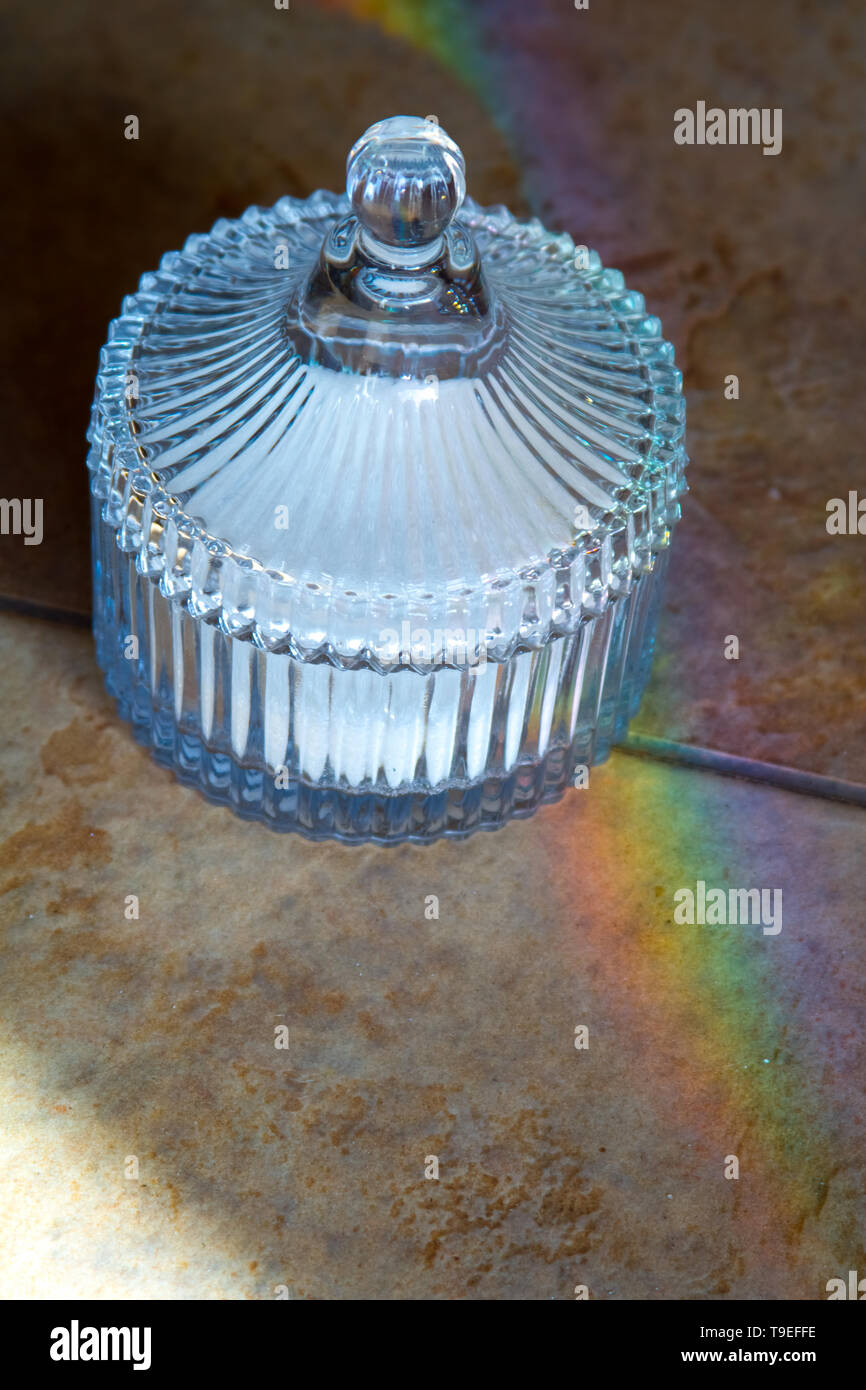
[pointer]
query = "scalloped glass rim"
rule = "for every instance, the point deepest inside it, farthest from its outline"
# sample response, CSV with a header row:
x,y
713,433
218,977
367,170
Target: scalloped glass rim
x,y
515,610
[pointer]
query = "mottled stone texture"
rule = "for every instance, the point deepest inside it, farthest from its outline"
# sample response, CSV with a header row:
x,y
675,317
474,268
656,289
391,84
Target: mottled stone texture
x,y
754,264
452,1037
411,1037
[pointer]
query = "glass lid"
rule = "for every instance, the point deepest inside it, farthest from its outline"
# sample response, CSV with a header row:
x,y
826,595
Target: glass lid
x,y
346,417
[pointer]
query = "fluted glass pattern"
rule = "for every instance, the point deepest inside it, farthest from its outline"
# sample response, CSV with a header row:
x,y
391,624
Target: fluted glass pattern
x,y
264,525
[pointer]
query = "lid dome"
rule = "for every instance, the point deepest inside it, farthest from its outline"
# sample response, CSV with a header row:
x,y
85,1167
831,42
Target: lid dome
x,y
344,413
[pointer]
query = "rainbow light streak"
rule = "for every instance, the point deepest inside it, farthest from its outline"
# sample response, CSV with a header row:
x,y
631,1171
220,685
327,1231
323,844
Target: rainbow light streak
x,y
449,30
720,1058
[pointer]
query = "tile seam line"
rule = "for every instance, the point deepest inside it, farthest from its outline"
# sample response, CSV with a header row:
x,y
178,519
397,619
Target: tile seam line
x,y
751,769
33,608
637,745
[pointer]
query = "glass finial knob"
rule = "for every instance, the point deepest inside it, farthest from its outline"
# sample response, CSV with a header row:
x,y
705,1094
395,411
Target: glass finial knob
x,y
406,181
398,288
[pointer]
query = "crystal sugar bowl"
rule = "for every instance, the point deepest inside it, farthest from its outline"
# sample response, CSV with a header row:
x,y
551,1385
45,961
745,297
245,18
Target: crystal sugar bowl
x,y
383,487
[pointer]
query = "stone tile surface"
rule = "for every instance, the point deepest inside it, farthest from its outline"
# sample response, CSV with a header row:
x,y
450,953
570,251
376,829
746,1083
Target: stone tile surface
x,y
754,265
410,1037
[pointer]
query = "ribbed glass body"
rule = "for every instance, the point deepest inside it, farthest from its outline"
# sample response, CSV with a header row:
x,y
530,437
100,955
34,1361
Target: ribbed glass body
x,y
357,755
